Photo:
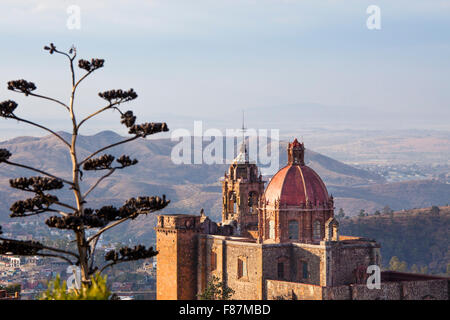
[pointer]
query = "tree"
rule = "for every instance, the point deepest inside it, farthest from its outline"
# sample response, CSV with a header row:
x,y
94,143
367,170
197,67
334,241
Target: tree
x,y
78,217
216,290
362,213
396,265
435,210
96,290
387,210
414,268
377,213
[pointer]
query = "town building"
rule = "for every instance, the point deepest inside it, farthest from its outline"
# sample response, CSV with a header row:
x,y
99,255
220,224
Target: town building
x,y
278,242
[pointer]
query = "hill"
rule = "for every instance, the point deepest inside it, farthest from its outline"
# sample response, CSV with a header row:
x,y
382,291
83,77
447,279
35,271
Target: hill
x,y
192,187
398,195
417,237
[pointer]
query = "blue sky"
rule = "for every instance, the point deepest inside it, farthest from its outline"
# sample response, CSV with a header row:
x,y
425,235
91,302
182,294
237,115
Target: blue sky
x,y
207,60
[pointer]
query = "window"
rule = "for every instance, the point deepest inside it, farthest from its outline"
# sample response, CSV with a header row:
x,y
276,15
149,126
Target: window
x,y
304,266
232,202
335,236
316,230
241,173
280,268
242,267
272,229
213,261
293,230
253,202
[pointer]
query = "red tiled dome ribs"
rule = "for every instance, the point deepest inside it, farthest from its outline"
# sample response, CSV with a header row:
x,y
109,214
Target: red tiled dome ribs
x,y
296,184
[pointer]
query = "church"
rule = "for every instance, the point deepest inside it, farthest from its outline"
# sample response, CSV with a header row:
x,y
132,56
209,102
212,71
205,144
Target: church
x,y
277,242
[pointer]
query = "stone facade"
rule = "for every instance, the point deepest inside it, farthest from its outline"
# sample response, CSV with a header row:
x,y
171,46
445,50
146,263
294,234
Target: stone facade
x,y
283,243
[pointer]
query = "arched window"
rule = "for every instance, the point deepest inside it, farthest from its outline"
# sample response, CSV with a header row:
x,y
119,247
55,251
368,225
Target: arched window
x,y
303,269
293,229
232,202
213,261
280,270
252,202
272,229
242,268
317,234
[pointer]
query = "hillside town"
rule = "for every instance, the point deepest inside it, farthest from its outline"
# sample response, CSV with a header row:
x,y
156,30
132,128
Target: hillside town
x,y
30,275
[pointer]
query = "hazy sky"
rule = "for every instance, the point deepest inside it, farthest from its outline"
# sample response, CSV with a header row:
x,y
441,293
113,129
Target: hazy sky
x,y
198,59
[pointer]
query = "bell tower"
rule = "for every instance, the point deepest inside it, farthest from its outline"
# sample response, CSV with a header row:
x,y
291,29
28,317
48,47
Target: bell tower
x,y
242,188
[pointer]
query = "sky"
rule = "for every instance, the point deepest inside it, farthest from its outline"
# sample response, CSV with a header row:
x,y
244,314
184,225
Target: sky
x,y
302,62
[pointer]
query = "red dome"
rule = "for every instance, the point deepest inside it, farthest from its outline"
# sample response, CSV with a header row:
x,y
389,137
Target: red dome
x,y
295,185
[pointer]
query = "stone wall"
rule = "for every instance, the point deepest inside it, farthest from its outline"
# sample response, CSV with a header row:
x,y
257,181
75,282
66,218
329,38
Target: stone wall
x,y
227,253
248,286
426,289
402,290
314,256
187,265
292,291
345,256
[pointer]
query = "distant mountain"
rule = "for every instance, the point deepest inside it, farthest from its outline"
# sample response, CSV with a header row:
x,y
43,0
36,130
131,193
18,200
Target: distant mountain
x,y
192,187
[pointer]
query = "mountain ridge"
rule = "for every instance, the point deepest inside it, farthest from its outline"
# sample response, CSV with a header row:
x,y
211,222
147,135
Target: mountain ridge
x,y
190,187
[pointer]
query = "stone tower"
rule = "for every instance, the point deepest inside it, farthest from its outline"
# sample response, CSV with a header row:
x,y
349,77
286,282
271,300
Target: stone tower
x,y
242,187
176,243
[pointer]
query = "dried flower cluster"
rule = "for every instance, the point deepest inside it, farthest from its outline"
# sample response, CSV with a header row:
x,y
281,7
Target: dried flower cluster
x,y
94,64
105,162
114,96
36,184
21,85
101,217
51,49
75,222
100,163
144,205
148,128
126,161
130,254
128,119
38,204
18,247
7,108
4,155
